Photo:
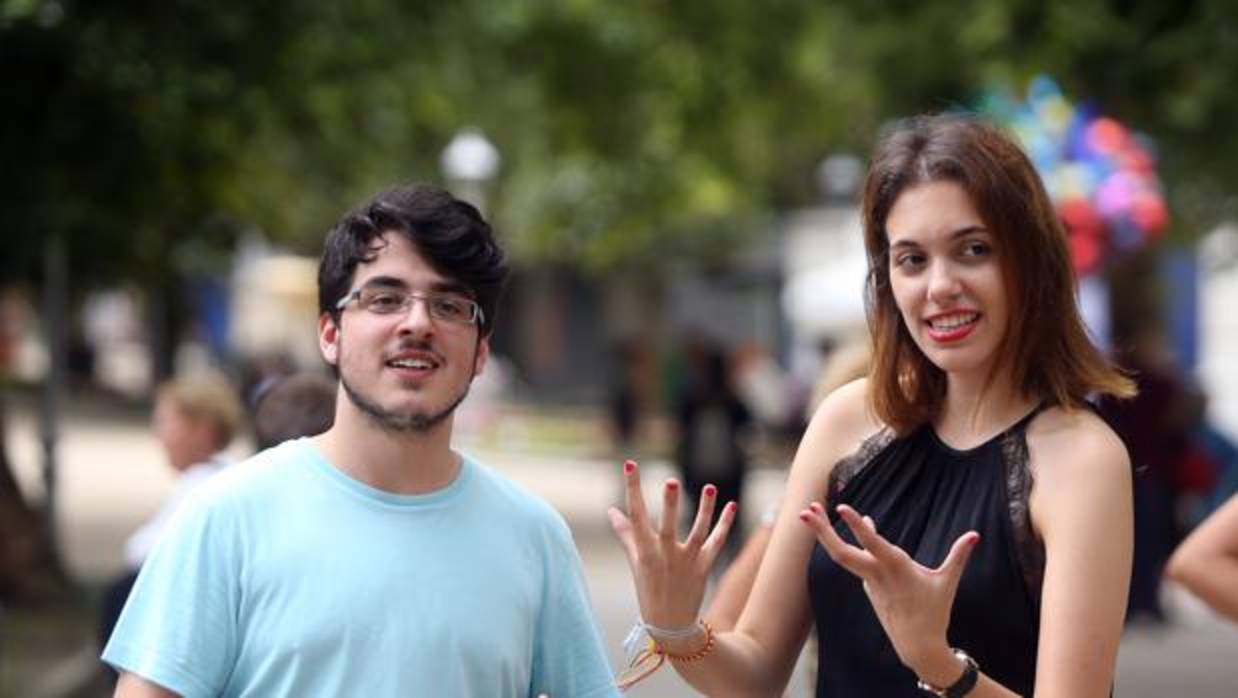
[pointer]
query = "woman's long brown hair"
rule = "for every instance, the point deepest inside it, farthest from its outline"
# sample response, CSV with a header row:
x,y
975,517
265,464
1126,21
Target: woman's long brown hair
x,y
1047,349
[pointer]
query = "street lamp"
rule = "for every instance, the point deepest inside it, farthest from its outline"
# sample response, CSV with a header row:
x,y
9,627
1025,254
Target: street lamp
x,y
470,161
839,178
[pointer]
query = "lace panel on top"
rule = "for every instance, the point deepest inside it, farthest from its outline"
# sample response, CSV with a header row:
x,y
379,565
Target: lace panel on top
x,y
849,466
1029,551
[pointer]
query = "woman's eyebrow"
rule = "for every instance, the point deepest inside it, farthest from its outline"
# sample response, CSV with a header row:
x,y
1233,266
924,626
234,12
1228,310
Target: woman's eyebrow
x,y
959,233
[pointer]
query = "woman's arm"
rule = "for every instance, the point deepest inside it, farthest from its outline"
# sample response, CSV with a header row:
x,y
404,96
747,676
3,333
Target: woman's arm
x,y
1207,561
757,657
1081,505
736,583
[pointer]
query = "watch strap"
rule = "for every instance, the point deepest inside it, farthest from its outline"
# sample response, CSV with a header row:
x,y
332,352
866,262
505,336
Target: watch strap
x,y
964,684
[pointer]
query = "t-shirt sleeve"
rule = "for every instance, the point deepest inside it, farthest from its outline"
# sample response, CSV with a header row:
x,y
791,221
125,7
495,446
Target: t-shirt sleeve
x,y
568,658
179,626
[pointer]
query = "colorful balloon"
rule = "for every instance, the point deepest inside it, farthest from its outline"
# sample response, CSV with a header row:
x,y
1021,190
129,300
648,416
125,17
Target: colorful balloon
x,y
1100,174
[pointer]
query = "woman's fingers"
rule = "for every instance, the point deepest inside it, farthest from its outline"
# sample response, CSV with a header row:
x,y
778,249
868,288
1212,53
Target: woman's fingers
x,y
713,544
635,498
853,559
623,531
704,514
956,559
670,511
865,531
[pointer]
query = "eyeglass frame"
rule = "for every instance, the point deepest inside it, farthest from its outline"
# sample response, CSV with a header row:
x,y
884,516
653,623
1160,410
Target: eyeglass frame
x,y
478,316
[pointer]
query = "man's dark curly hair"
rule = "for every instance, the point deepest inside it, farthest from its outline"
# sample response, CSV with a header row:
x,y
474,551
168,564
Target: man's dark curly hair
x,y
451,234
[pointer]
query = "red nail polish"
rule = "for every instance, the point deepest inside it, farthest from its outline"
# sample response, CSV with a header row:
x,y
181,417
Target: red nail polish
x,y
733,507
629,466
710,490
804,516
672,485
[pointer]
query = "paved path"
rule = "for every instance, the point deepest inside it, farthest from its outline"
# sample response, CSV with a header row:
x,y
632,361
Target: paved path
x,y
113,477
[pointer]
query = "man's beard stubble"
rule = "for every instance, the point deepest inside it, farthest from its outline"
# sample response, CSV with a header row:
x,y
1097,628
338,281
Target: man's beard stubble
x,y
387,420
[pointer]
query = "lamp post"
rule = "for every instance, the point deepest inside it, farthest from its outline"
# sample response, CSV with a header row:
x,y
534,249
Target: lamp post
x,y
839,178
470,161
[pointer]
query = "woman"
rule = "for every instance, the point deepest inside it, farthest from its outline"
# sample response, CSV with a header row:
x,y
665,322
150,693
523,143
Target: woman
x,y
1207,561
978,534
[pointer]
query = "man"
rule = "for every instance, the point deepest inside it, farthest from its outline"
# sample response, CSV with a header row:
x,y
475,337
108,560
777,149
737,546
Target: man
x,y
372,560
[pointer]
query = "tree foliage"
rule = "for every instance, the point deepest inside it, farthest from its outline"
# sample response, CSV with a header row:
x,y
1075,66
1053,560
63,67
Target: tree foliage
x,y
631,133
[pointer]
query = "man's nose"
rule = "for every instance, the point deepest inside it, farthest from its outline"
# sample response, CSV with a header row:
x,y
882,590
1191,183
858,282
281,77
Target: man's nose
x,y
417,317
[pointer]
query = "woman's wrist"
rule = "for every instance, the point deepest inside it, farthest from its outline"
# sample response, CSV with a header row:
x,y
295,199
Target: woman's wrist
x,y
939,667
684,640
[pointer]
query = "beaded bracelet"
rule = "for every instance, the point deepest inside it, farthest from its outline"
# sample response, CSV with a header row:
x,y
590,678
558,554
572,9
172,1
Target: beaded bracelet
x,y
694,656
652,656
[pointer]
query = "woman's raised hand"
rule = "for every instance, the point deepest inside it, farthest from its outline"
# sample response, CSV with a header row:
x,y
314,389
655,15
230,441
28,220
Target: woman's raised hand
x,y
670,575
912,601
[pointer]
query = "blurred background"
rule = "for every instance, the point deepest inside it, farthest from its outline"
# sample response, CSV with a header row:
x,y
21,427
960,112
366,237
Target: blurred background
x,y
677,186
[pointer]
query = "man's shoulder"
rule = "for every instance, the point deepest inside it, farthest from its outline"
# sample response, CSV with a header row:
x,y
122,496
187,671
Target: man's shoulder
x,y
262,475
519,502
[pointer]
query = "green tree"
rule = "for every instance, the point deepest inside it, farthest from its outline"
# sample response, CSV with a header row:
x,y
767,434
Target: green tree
x,y
633,133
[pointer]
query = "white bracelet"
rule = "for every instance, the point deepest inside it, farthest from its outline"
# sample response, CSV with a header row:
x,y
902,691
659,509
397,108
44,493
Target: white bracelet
x,y
633,642
671,633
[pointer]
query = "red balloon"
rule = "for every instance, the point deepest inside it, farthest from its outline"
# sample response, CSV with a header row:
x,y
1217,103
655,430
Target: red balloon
x,y
1150,213
1106,135
1137,160
1080,217
1085,252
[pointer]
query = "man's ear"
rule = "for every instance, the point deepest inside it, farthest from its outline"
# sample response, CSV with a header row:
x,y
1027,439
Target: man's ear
x,y
483,353
329,338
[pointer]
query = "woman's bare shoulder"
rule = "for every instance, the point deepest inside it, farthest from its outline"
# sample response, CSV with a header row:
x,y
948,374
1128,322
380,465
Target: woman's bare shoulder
x,y
1075,444
1078,436
841,423
847,413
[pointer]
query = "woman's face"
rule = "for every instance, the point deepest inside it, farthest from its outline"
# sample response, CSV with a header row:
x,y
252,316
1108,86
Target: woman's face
x,y
946,277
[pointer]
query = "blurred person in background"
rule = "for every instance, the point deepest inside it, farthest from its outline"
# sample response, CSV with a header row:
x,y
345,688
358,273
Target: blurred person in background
x,y
711,420
301,404
363,561
1157,426
194,420
625,395
848,362
1207,561
975,537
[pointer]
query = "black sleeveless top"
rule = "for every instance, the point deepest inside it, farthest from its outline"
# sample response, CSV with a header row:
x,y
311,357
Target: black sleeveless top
x,y
923,495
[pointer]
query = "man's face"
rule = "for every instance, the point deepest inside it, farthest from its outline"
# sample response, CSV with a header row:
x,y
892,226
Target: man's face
x,y
405,371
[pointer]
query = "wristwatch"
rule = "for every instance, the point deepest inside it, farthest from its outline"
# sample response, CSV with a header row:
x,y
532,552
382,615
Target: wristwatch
x,y
960,688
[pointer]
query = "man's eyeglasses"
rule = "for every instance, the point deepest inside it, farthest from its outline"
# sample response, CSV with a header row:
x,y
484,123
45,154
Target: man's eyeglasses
x,y
383,300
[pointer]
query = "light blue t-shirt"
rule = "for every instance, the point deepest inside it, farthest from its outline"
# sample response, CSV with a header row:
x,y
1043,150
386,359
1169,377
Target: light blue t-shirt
x,y
286,577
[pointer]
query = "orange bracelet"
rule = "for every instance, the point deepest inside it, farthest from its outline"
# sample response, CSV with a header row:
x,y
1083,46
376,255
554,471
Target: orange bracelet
x,y
650,659
697,655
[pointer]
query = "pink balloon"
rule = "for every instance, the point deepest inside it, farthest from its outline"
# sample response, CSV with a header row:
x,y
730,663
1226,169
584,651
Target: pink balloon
x,y
1116,195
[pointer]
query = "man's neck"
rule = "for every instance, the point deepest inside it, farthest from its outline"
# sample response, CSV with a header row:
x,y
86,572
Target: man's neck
x,y
409,462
